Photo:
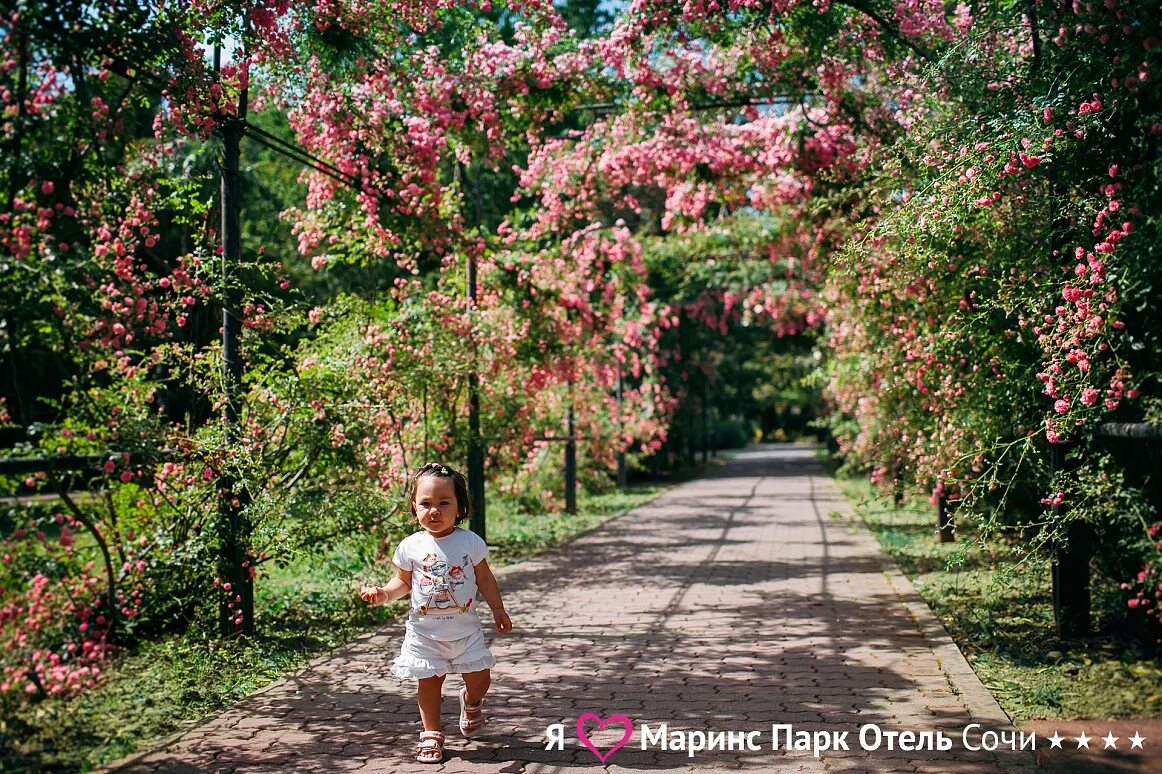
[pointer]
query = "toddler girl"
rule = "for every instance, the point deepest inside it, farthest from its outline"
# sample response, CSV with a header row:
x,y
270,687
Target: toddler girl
x,y
443,567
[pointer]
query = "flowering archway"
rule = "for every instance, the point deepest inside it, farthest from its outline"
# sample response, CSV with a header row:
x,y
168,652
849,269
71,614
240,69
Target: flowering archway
x,y
960,206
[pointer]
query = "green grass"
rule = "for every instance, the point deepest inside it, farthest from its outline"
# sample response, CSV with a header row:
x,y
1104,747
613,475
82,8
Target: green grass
x,y
302,610
1000,614
514,536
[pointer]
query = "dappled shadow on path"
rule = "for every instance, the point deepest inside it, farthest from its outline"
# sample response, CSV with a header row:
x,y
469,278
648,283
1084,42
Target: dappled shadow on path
x,y
728,604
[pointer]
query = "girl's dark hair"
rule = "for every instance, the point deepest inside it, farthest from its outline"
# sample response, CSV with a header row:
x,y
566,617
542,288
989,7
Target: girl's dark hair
x,y
459,483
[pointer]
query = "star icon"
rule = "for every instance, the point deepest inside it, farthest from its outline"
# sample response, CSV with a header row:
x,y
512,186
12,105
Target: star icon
x,y
1055,740
1136,741
1083,741
1109,739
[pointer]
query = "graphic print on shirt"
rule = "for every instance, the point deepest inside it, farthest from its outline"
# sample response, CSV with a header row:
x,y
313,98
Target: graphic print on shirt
x,y
439,583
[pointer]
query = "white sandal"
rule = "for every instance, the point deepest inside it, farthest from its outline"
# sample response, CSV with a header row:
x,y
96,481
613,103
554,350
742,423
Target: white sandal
x,y
471,715
431,747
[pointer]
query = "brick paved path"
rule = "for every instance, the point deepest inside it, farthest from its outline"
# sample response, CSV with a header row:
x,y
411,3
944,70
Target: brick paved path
x,y
729,603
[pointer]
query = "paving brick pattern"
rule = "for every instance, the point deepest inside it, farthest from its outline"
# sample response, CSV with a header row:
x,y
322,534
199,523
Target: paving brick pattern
x,y
729,603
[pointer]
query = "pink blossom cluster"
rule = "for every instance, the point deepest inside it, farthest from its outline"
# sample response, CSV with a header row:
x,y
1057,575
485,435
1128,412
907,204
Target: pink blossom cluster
x,y
1144,592
54,631
939,320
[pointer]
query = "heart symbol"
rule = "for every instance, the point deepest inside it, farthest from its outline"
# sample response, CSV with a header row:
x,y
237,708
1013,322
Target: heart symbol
x,y
602,723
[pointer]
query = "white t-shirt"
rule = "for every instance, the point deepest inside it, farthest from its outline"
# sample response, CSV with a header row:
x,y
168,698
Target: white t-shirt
x,y
443,582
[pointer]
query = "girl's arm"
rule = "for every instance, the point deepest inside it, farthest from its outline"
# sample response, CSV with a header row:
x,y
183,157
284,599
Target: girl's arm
x,y
486,582
399,586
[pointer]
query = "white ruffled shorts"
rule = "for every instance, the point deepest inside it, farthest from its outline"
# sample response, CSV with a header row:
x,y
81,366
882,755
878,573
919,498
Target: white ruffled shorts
x,y
422,657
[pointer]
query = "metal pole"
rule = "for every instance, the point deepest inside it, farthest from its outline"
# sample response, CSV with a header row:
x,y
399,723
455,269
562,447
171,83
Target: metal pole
x,y
944,524
897,484
475,442
705,427
691,453
236,605
1070,569
714,432
622,475
475,457
570,459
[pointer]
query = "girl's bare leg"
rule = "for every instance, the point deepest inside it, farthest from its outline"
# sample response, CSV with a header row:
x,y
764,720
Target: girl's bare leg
x,y
429,695
477,684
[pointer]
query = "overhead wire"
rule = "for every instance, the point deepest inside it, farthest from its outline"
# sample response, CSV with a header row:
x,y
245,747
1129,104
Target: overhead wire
x,y
303,157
